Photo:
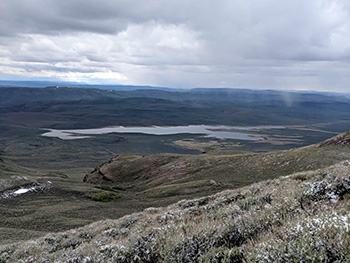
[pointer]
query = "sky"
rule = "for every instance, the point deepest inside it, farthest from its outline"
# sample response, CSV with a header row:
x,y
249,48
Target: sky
x,y
270,44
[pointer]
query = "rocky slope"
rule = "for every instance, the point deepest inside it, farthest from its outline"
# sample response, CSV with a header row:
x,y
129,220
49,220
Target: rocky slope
x,y
303,217
342,139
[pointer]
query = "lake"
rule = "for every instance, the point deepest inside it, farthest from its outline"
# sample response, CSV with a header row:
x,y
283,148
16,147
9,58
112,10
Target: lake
x,y
219,132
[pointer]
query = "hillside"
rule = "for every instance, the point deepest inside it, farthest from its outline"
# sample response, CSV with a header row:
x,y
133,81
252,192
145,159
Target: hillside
x,y
167,175
67,107
303,217
59,200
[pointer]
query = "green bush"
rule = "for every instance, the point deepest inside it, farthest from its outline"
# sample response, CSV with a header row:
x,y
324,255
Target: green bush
x,y
104,196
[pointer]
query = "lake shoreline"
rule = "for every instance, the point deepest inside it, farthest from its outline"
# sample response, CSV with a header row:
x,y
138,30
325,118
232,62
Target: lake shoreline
x,y
208,131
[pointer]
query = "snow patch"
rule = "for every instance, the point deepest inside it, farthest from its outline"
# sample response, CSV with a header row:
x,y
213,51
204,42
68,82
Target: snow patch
x,y
23,190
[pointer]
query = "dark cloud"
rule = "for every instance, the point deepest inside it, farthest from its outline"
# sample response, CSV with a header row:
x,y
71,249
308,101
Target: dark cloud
x,y
179,43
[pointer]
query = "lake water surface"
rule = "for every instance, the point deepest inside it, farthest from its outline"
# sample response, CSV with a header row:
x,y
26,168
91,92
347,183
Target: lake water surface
x,y
220,132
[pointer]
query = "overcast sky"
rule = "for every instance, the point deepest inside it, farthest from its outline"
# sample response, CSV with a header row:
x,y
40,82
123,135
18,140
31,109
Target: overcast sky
x,y
277,44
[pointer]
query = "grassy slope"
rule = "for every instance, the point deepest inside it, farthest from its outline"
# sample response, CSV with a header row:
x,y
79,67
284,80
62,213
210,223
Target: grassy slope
x,y
165,175
155,180
298,218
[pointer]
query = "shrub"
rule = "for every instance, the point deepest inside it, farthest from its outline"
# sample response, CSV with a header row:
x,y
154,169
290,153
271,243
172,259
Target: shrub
x,y
301,177
104,196
222,255
322,238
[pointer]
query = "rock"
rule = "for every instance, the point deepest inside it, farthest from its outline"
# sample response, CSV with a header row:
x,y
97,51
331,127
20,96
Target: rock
x,y
212,182
341,139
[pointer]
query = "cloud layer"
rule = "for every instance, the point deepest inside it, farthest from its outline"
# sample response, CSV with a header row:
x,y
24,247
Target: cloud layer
x,y
292,44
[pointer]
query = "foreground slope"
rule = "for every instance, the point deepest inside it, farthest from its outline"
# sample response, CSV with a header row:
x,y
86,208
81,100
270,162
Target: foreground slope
x,y
303,217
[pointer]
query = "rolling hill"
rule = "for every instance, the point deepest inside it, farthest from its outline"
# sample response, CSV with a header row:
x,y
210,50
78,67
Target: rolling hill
x,y
167,175
66,107
302,215
131,183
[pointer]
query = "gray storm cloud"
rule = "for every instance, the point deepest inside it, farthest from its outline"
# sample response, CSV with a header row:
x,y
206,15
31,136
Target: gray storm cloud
x,y
183,43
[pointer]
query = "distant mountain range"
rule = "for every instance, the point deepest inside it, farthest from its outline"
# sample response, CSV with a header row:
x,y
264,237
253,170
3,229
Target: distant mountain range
x,y
43,84
118,87
145,107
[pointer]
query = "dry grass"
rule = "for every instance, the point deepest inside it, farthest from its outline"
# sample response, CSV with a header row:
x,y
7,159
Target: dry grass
x,y
207,146
271,221
153,174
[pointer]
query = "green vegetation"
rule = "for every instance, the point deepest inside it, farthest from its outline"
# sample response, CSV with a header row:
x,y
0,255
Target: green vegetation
x,y
104,196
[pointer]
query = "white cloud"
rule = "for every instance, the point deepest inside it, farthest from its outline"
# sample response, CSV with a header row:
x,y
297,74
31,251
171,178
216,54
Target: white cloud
x,y
182,43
